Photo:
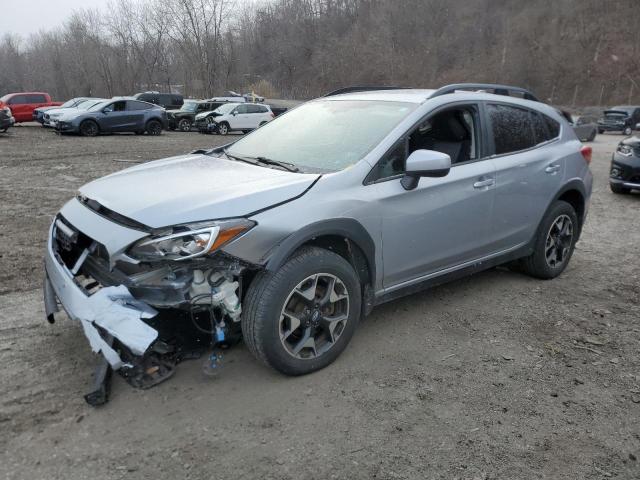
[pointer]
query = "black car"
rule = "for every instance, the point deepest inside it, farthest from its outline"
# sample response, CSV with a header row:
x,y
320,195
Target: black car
x,y
625,166
185,117
623,119
6,119
165,100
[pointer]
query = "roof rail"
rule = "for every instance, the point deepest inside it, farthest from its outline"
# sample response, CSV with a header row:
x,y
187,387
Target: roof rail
x,y
497,89
363,88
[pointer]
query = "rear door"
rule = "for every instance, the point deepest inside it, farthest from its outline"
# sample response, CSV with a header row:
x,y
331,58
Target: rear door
x,y
529,171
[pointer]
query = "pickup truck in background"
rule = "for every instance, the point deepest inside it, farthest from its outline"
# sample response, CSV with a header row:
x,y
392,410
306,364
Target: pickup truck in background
x,y
23,104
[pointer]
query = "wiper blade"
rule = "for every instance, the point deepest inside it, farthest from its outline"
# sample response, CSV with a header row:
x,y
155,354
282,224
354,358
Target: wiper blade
x,y
286,165
241,159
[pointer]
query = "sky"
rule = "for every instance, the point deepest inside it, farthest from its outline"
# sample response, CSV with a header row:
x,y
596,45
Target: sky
x,y
29,16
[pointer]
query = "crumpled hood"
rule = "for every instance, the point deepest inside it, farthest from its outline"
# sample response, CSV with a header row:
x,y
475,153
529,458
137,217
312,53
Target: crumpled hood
x,y
631,141
194,187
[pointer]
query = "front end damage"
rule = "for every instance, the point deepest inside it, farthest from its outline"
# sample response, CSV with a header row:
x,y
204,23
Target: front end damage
x,y
143,317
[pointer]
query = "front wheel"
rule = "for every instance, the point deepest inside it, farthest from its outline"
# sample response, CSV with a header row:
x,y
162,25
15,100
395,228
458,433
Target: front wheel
x,y
184,125
89,128
627,131
301,317
223,128
554,242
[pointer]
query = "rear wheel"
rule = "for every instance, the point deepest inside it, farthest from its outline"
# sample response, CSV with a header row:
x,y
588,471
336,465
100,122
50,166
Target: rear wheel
x,y
554,243
89,128
184,125
154,127
223,128
619,189
600,131
301,317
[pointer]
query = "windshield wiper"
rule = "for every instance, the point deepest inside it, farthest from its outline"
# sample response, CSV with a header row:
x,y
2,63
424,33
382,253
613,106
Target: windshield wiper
x,y
286,165
265,161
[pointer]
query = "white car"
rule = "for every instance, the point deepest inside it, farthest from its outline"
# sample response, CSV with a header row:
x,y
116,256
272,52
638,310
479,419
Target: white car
x,y
231,117
51,117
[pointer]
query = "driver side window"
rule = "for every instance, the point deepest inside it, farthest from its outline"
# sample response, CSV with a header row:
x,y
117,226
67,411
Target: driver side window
x,y
453,131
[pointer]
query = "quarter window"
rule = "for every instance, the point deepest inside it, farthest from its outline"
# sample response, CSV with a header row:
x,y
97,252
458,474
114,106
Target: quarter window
x,y
540,131
552,126
511,128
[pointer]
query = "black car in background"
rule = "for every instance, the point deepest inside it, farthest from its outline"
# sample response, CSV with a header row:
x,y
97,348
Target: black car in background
x,y
623,119
6,119
165,100
624,175
184,118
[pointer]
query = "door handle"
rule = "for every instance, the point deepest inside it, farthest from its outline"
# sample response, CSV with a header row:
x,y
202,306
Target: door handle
x,y
484,183
553,168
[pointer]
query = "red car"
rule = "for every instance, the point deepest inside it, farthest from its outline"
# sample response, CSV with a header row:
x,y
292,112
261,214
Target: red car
x,y
22,104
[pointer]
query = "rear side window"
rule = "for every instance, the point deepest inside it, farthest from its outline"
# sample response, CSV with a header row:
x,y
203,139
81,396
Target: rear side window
x,y
540,131
552,126
511,128
256,109
133,105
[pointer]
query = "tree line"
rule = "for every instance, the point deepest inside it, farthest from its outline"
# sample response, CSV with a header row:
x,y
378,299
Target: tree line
x,y
569,52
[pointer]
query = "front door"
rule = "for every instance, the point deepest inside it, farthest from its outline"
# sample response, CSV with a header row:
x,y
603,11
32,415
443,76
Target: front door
x,y
444,222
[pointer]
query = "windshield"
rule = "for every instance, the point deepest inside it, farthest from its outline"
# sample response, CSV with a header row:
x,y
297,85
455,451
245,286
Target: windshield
x,y
189,107
226,108
326,135
69,103
87,104
99,106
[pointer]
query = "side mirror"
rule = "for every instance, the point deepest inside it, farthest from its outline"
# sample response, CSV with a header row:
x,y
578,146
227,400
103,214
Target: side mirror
x,y
234,113
425,163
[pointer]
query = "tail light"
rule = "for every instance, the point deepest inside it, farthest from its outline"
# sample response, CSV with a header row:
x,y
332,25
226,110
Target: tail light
x,y
586,152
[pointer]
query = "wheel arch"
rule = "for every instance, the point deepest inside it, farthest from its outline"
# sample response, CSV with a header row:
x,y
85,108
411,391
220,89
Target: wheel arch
x,y
344,236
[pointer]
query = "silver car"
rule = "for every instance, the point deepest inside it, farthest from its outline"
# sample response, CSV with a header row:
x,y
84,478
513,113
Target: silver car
x,y
293,233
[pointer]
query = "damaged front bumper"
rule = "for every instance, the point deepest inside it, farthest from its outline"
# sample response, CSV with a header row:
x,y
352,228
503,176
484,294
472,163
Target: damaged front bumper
x,y
109,311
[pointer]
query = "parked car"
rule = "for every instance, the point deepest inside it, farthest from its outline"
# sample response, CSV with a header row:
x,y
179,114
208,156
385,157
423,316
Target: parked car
x,y
624,175
51,115
6,119
184,118
619,119
253,97
586,127
114,116
165,100
23,104
38,113
294,232
233,117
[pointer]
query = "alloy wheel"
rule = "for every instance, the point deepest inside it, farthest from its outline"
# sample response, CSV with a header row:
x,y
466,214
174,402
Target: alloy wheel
x,y
223,129
314,316
559,240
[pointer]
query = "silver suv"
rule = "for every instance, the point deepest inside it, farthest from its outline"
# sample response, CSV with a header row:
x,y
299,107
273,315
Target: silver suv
x,y
291,234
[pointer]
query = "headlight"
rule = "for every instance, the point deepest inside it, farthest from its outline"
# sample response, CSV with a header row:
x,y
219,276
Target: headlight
x,y
189,241
625,150
6,110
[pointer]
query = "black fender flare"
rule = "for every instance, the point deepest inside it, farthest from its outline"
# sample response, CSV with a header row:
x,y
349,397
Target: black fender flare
x,y
347,228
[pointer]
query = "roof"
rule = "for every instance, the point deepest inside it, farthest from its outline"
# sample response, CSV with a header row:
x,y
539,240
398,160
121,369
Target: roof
x,y
401,95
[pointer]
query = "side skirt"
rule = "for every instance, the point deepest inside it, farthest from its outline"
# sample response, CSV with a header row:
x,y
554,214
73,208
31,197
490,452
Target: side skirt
x,y
465,271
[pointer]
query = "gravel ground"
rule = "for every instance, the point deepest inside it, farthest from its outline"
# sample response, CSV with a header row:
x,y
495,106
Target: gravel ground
x,y
498,376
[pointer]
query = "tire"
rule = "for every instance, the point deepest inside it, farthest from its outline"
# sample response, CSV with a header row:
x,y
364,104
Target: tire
x,y
223,128
263,123
627,131
154,127
538,264
600,131
264,320
89,128
592,137
184,125
618,189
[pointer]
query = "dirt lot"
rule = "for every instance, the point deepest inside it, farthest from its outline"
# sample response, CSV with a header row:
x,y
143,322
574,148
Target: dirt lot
x,y
498,376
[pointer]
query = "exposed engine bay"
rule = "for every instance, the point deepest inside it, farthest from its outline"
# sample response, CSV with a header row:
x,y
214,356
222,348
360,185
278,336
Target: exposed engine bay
x,y
145,317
